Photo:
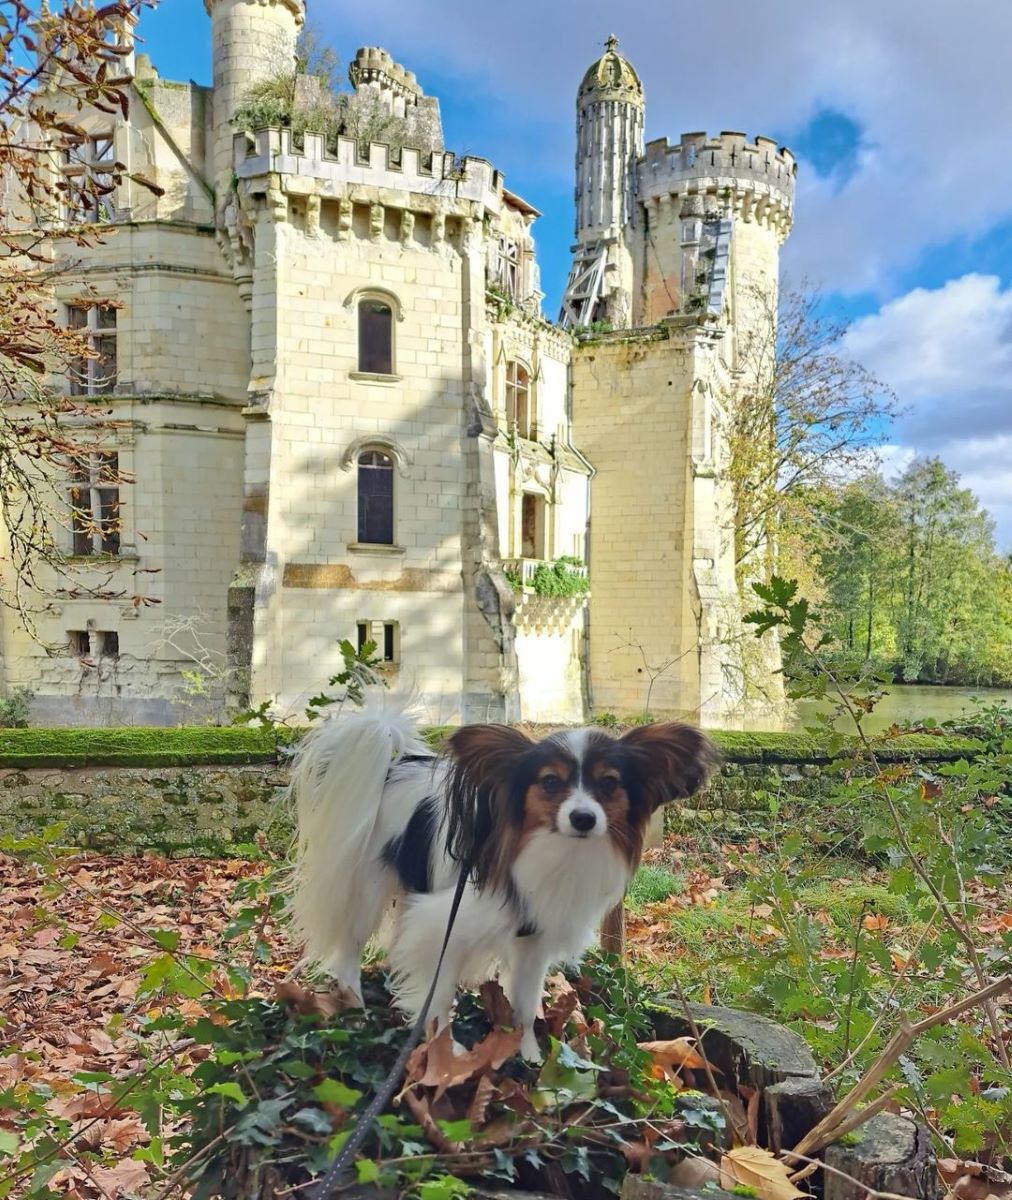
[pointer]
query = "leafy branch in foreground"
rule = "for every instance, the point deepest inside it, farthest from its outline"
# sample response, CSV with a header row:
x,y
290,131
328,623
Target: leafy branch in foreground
x,y
935,832
57,67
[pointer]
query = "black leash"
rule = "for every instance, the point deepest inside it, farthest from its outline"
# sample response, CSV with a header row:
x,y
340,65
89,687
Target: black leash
x,y
365,1122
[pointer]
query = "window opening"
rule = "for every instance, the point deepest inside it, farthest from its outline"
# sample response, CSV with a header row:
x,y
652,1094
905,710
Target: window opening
x,y
94,375
532,526
375,498
88,168
375,337
518,399
94,504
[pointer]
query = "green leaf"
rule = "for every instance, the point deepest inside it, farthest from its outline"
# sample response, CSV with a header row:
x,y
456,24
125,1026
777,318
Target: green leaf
x,y
9,1142
231,1091
456,1131
366,1170
168,939
333,1091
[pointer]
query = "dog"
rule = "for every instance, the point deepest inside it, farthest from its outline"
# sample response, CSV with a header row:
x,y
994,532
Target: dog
x,y
551,831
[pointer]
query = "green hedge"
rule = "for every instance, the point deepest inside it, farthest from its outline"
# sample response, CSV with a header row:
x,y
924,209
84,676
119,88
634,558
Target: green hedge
x,y
146,747
136,747
738,747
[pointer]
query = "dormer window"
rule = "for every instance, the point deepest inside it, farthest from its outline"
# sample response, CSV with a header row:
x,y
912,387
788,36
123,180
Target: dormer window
x,y
375,337
507,274
88,169
519,409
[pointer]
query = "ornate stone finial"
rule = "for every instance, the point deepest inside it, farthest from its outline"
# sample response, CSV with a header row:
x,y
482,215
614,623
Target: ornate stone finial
x,y
611,44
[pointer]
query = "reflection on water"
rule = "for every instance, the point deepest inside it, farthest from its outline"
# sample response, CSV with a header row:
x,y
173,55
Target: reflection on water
x,y
907,704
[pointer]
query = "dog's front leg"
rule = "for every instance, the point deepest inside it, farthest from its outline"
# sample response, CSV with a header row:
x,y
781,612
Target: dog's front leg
x,y
526,985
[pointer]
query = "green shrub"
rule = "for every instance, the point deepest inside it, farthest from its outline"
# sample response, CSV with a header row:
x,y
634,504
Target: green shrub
x,y
14,709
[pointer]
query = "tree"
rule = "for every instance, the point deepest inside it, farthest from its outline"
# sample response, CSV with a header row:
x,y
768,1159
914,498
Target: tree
x,y
54,66
805,416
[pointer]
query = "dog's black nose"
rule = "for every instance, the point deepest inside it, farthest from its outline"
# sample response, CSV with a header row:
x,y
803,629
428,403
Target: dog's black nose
x,y
582,820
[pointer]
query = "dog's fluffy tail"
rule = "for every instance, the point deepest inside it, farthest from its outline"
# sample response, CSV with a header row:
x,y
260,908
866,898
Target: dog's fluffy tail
x,y
337,783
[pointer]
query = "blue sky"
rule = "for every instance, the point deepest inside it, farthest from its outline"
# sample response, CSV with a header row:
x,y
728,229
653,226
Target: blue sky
x,y
899,114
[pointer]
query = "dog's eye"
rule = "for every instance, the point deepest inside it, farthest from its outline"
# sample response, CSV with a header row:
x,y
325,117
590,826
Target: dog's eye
x,y
552,784
608,785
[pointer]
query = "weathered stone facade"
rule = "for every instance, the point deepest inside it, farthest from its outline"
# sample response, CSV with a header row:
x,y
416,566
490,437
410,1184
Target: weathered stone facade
x,y
346,416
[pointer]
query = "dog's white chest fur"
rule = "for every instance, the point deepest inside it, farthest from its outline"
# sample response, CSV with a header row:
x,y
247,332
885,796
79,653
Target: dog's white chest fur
x,y
566,885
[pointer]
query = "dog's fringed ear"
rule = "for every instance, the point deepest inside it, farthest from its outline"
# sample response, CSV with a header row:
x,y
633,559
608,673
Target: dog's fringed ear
x,y
479,828
675,760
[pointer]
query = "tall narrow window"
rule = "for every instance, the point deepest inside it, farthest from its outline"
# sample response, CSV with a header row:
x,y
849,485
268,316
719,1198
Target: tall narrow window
x,y
94,504
518,399
95,374
375,337
532,526
376,498
89,178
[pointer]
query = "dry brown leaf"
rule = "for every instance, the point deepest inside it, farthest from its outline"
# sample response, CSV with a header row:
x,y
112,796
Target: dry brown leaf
x,y
322,1004
497,1007
751,1097
445,1069
874,921
127,1177
478,1108
677,1053
974,1181
759,1169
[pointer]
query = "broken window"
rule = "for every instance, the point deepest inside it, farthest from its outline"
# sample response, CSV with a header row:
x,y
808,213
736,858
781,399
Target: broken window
x,y
79,643
375,337
375,498
383,635
508,277
519,416
94,503
94,374
89,173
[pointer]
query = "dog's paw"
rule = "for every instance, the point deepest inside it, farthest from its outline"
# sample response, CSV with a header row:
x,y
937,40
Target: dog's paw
x,y
529,1048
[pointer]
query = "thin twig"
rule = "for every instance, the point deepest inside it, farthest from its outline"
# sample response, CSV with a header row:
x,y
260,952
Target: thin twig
x,y
740,1131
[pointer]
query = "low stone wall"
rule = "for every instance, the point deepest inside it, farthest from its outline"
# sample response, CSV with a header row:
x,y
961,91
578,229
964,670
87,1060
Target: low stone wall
x,y
206,810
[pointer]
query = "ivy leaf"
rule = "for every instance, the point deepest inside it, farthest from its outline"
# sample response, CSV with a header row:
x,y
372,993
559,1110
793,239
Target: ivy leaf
x,y
231,1091
367,1170
333,1091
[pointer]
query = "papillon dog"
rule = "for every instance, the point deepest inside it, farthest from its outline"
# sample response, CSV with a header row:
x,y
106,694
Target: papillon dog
x,y
551,831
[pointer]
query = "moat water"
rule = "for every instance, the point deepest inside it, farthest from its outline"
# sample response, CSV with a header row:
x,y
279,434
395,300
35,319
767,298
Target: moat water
x,y
906,704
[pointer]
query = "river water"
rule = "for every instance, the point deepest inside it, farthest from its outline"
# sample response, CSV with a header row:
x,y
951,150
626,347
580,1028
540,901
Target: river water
x,y
905,704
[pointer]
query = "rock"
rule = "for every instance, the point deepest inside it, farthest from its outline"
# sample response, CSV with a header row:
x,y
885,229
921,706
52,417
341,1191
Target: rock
x,y
892,1154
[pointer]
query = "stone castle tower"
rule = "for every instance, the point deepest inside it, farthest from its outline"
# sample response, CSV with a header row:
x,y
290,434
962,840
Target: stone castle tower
x,y
677,256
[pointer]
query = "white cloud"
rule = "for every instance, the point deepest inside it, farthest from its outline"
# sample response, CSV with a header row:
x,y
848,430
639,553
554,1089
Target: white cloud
x,y
947,353
930,89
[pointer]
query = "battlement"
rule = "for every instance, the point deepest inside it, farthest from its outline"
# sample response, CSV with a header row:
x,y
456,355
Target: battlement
x,y
440,174
749,173
374,65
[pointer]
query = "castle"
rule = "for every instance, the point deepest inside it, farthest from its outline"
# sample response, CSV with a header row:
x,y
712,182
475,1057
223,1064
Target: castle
x,y
347,418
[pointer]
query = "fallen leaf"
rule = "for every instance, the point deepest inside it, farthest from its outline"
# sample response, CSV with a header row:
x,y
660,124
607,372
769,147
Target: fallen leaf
x,y
759,1169
678,1052
126,1176
322,1004
873,921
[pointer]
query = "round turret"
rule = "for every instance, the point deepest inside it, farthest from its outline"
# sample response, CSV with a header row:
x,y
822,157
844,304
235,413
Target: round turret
x,y
252,40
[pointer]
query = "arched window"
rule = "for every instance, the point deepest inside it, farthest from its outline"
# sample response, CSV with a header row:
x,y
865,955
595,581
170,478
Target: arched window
x,y
375,337
518,399
376,498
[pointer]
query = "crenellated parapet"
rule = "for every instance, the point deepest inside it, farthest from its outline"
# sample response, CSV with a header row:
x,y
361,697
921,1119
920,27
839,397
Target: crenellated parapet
x,y
439,176
374,65
727,174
